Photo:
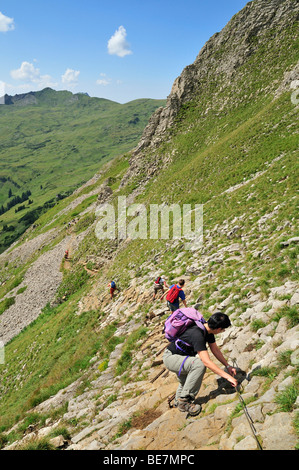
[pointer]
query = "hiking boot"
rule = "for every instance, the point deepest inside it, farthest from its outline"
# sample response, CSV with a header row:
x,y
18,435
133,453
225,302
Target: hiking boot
x,y
187,406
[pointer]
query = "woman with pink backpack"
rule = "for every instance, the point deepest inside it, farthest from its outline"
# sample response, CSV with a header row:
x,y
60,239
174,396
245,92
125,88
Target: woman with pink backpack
x,y
187,353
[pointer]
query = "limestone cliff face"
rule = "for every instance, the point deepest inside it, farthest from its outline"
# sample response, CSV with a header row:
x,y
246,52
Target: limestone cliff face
x,y
220,78
221,58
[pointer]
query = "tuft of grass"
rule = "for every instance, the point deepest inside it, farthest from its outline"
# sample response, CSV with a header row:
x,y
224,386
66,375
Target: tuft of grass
x,y
287,398
72,282
37,444
126,358
256,325
291,313
61,431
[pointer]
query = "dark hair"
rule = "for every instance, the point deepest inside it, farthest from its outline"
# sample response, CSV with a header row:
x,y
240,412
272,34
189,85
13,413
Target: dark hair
x,y
219,320
181,282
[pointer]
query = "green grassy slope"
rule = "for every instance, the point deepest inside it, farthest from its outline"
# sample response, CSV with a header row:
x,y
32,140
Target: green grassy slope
x,y
214,150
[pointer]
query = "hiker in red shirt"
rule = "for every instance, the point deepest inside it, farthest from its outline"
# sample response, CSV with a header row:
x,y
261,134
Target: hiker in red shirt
x,y
174,295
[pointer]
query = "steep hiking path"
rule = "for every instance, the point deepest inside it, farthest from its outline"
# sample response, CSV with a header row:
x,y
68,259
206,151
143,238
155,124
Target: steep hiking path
x,y
71,249
40,282
67,261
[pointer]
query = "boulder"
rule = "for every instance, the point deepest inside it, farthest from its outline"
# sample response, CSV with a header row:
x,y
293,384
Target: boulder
x,y
278,432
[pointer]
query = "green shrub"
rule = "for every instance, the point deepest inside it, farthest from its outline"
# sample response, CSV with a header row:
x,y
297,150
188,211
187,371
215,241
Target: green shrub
x,y
6,303
3,440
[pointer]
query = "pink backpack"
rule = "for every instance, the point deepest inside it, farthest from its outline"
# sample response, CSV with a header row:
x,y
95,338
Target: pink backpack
x,y
180,320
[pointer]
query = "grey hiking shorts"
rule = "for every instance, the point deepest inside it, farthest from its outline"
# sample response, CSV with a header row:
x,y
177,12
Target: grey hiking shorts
x,y
191,376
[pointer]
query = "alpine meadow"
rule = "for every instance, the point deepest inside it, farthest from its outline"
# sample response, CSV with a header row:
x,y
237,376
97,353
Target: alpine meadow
x,y
54,141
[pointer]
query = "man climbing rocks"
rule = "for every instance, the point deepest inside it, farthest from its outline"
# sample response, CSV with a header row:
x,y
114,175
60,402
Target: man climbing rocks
x,y
113,287
174,295
188,358
159,285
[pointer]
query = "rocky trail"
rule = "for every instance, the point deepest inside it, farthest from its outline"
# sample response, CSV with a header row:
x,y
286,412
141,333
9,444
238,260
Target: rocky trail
x,y
135,414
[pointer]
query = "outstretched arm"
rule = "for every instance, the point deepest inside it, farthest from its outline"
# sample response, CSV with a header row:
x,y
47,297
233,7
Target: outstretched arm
x,y
205,358
163,295
218,354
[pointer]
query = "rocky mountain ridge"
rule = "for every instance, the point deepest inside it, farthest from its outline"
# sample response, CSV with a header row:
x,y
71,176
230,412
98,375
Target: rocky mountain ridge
x,y
220,60
237,42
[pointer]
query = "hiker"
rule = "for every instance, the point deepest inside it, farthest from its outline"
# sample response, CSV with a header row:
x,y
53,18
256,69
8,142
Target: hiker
x,y
113,287
66,254
174,295
188,358
159,285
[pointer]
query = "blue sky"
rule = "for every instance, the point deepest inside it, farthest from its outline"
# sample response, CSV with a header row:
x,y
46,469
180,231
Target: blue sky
x,y
116,49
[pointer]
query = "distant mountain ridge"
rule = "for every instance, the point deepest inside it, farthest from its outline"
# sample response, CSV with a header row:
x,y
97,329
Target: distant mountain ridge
x,y
45,96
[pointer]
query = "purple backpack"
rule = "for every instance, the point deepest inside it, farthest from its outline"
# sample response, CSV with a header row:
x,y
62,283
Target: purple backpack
x,y
180,320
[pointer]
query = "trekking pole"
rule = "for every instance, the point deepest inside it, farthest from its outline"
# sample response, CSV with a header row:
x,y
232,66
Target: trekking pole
x,y
249,419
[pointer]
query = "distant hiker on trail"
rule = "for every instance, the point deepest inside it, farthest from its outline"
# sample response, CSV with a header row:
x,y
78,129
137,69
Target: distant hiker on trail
x,y
159,285
174,295
66,254
187,355
113,287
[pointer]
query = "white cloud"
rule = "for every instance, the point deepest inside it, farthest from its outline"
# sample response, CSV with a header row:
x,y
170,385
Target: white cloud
x,y
117,44
70,77
31,76
27,72
6,23
104,80
45,81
